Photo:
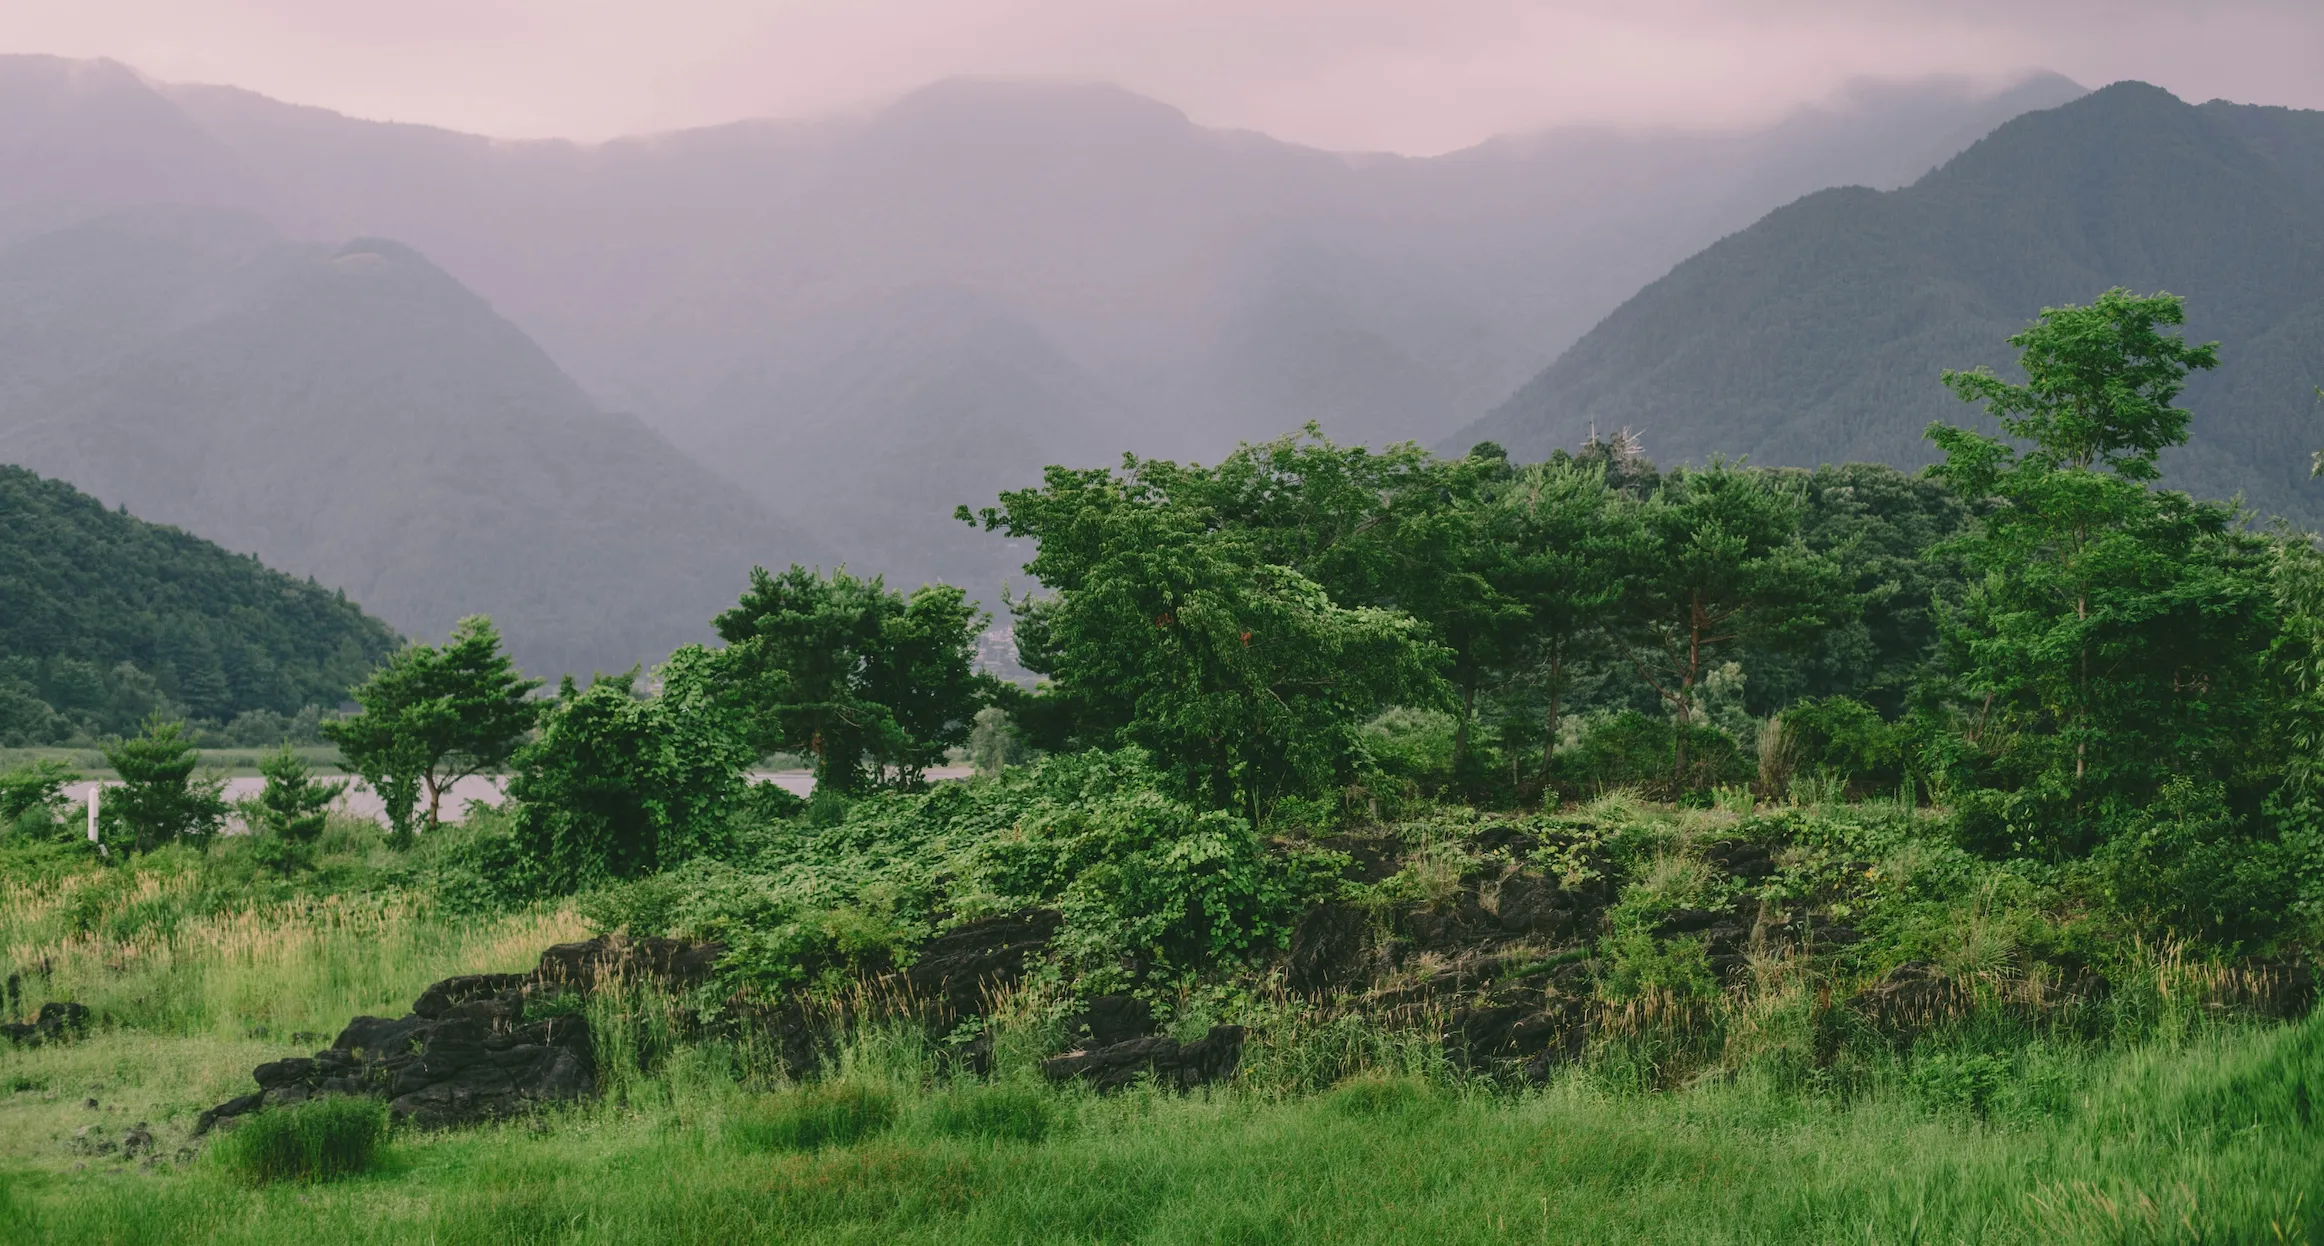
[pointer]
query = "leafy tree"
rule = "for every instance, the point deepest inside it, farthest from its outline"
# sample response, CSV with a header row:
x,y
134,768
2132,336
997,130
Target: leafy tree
x,y
433,716
1398,529
159,800
288,814
620,785
2113,633
1562,530
994,743
32,799
922,674
1242,676
1714,563
845,671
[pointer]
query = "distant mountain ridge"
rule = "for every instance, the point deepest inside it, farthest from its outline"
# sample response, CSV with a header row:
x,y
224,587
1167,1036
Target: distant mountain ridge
x,y
755,290
352,413
104,617
1817,335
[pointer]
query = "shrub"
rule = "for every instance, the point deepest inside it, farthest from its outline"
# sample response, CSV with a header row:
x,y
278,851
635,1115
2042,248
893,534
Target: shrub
x,y
1844,738
833,1114
1637,750
1004,1113
1372,1096
320,1140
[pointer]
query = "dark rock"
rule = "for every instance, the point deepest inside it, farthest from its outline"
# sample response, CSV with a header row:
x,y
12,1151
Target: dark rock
x,y
227,1111
1530,905
1330,948
56,1021
1742,858
472,989
1211,1058
1912,998
284,1073
465,1052
959,969
138,1139
672,964
1687,921
1118,1019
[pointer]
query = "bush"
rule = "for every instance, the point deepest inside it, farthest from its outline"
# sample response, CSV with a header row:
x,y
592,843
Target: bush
x,y
1845,739
1373,1097
1637,750
320,1140
833,1114
1004,1113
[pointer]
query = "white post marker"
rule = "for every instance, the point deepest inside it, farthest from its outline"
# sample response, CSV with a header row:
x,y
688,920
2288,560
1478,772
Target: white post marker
x,y
94,788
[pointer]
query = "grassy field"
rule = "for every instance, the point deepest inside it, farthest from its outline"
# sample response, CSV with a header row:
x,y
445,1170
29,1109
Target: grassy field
x,y
2204,1134
2201,1143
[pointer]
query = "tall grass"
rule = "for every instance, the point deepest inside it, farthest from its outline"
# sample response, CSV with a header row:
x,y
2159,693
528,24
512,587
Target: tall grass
x,y
2199,1141
320,1140
139,948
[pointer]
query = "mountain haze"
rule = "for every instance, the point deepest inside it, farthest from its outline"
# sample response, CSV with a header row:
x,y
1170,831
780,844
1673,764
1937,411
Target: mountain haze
x,y
1818,334
352,413
761,292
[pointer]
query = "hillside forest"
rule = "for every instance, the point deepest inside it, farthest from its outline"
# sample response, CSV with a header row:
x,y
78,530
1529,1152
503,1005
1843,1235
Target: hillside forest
x,y
1959,831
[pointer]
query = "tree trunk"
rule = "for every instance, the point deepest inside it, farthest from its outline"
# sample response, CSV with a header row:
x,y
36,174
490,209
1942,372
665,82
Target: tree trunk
x,y
1556,694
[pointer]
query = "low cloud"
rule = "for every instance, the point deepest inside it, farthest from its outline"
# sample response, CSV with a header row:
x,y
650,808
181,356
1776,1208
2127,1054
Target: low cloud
x,y
1364,74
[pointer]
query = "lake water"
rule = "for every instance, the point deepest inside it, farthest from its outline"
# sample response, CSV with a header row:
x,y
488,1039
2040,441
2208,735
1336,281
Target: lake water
x,y
361,801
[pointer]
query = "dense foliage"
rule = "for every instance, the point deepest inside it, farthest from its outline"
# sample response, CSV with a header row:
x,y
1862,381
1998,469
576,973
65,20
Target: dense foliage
x,y
105,619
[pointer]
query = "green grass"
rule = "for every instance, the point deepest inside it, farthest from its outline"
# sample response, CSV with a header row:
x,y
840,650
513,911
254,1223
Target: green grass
x,y
2194,1143
320,1140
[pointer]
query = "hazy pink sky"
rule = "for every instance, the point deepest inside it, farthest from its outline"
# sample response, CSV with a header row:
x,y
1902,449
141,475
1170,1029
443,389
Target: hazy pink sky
x,y
1404,75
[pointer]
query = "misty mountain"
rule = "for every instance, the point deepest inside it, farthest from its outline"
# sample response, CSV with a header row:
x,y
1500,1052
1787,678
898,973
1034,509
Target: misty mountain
x,y
758,291
1818,334
353,414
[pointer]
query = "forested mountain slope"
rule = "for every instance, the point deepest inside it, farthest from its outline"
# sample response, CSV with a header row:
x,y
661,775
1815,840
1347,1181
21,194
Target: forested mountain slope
x,y
103,615
353,414
1818,334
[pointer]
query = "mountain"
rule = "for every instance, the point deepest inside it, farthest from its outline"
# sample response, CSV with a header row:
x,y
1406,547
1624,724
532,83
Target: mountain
x,y
80,138
104,616
769,295
350,412
1818,334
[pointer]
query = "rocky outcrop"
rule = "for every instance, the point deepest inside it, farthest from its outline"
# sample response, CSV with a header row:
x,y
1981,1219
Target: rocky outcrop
x,y
474,1048
55,1022
1180,1066
956,972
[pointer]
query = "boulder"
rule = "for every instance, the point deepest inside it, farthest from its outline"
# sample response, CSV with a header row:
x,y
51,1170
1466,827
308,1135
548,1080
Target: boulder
x,y
959,969
1181,1066
55,1022
1330,948
465,1052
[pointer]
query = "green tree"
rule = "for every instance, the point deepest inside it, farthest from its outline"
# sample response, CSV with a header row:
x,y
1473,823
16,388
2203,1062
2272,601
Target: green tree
x,y
922,674
1172,631
1397,529
433,716
159,799
1563,532
32,801
288,814
2113,634
848,673
1713,563
620,785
